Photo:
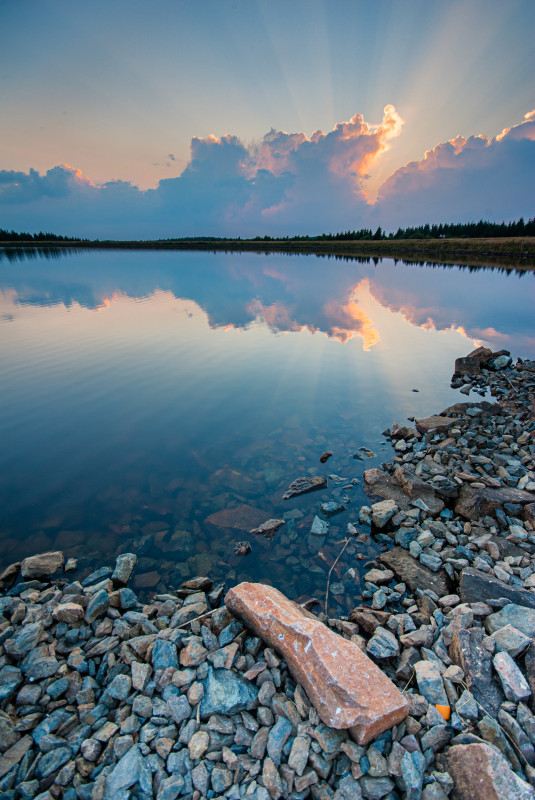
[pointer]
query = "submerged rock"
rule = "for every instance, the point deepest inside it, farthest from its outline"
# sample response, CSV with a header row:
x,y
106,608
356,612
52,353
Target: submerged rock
x,y
305,485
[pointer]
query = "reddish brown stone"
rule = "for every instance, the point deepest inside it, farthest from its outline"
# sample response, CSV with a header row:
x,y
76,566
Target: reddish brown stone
x,y
346,687
481,771
146,580
241,518
326,456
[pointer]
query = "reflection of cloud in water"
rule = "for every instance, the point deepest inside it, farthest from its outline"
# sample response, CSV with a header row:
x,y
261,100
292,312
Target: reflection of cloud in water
x,y
342,300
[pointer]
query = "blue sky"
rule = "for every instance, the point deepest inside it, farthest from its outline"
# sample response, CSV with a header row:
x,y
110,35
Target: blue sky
x,y
131,91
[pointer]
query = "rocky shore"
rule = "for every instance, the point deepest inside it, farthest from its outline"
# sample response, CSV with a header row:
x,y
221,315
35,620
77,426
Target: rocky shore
x,y
103,696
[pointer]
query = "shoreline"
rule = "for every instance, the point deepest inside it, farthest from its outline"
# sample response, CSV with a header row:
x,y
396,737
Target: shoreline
x,y
103,696
507,253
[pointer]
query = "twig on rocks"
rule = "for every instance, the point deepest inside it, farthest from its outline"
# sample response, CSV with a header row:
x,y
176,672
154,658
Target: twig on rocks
x,y
202,616
330,571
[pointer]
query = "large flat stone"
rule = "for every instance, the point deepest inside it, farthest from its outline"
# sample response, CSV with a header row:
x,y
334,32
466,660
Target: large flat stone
x,y
414,574
42,565
473,503
403,487
481,771
346,687
436,424
241,518
475,585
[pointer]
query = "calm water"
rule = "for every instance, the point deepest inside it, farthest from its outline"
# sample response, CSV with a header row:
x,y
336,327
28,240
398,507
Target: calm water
x,y
162,402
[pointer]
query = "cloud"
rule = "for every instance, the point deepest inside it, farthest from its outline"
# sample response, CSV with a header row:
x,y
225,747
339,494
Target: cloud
x,y
465,179
287,183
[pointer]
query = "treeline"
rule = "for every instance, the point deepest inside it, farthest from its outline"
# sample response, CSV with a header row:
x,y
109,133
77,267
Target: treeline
x,y
455,230
42,236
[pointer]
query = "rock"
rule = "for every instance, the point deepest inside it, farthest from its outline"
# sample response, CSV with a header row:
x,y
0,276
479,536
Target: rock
x,y
164,654
226,692
271,779
511,640
42,566
297,760
242,549
332,508
414,574
475,586
124,566
430,683
523,619
305,485
277,738
383,644
514,684
25,639
241,518
14,754
383,512
126,773
198,745
179,708
369,619
481,771
403,487
268,528
68,612
435,424
319,527
347,689
467,365
475,503
379,576
325,456
53,761
476,663
98,605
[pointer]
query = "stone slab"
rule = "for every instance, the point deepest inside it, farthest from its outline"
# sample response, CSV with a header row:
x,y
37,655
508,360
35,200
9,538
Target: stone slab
x,y
414,574
476,586
347,689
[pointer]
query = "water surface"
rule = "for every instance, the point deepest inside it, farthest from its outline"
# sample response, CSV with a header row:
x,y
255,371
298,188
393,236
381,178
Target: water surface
x,y
162,402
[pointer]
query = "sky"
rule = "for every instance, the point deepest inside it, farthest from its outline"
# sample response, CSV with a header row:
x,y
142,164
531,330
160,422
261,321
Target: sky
x,y
250,117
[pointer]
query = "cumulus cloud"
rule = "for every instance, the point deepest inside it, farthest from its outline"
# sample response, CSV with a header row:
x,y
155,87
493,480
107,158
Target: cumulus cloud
x,y
465,179
288,183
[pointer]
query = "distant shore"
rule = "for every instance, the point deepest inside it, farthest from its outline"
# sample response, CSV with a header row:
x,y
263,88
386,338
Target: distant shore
x,y
517,252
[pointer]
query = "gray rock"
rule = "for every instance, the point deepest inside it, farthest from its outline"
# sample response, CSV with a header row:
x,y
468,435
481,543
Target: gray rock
x,y
126,773
476,663
10,680
98,605
514,684
24,640
221,780
476,586
319,527
164,654
53,761
383,511
430,683
383,644
414,574
170,788
179,708
331,508
412,774
298,757
511,640
226,692
348,789
375,788
305,485
520,617
277,738
124,566
120,687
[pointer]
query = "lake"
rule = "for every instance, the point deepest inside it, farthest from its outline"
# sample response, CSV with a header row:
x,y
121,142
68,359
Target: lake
x,y
162,402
